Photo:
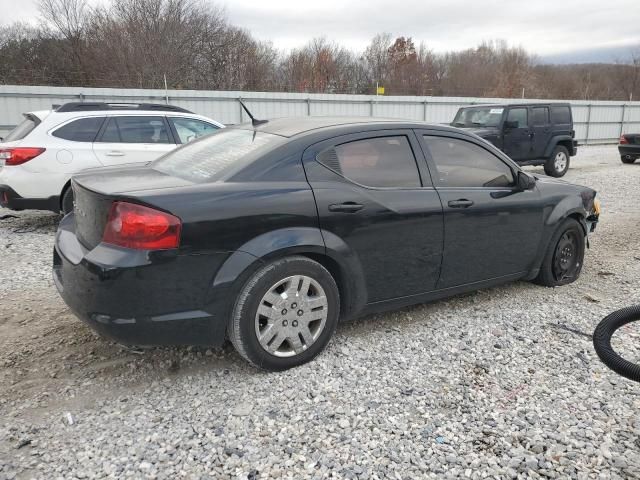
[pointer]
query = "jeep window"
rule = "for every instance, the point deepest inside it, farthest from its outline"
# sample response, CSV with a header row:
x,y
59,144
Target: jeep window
x,y
478,117
23,129
461,164
80,130
561,115
518,115
540,116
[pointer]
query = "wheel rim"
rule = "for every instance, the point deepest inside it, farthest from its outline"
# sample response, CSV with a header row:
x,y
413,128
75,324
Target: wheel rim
x,y
560,162
566,257
291,316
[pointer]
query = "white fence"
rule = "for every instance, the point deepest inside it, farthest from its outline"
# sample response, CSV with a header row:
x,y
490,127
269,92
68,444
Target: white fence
x,y
595,121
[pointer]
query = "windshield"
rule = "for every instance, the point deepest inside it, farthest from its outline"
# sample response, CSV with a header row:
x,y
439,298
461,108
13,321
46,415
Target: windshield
x,y
209,158
478,117
22,130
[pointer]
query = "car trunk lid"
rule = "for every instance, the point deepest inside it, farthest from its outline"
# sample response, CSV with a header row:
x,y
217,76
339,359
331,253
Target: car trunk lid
x,y
95,191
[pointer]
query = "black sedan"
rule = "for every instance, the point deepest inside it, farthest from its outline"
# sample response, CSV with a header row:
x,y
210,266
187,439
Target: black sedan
x,y
268,235
629,147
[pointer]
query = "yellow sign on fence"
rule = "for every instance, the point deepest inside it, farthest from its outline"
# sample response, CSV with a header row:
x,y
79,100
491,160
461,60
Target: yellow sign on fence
x,y
380,91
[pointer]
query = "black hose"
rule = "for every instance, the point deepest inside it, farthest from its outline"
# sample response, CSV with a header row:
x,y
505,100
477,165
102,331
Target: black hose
x,y
602,342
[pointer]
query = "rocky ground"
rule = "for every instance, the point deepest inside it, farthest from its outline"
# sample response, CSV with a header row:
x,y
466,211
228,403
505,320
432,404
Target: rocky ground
x,y
495,384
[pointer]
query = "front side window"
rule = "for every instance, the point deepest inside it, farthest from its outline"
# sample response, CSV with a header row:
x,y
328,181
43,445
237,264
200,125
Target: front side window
x,y
518,115
375,162
80,130
132,129
189,128
540,116
464,164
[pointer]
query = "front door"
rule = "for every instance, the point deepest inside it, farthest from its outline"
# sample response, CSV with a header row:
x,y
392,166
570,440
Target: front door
x,y
540,131
374,193
132,139
491,229
516,134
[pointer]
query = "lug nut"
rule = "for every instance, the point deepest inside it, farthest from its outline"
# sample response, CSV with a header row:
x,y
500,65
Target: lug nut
x,y
285,323
294,305
294,323
284,311
300,313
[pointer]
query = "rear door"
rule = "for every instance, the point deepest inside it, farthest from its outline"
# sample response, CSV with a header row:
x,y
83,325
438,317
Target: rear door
x,y
373,191
492,230
132,139
540,130
186,129
517,139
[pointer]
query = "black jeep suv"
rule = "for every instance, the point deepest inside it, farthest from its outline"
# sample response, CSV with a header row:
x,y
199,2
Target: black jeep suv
x,y
531,134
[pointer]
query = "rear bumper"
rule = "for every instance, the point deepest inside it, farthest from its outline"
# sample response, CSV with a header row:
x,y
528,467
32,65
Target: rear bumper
x,y
140,297
630,150
9,198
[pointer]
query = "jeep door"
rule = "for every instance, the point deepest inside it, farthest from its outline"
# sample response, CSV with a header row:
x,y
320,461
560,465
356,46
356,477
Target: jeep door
x,y
540,130
374,193
517,137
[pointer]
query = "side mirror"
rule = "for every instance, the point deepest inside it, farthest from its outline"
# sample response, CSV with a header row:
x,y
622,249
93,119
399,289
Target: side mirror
x,y
525,181
511,124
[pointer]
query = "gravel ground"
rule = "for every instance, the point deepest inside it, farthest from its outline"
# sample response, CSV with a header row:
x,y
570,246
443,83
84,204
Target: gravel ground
x,y
501,383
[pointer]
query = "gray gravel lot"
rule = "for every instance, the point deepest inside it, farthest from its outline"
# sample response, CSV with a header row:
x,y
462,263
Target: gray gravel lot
x,y
502,383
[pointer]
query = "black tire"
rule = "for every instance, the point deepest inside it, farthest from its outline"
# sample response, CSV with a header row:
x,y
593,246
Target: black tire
x,y
551,168
555,259
602,342
627,160
66,204
242,327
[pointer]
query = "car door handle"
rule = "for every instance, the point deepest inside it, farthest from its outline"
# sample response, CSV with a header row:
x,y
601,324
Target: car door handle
x,y
346,207
462,203
114,153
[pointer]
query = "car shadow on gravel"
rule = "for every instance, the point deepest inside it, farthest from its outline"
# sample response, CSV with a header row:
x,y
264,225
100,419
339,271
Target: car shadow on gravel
x,y
28,222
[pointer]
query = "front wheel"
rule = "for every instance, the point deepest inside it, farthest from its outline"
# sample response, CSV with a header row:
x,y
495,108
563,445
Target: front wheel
x,y
563,260
558,164
286,314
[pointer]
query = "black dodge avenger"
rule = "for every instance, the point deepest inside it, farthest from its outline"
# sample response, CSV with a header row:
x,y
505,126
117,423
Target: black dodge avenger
x,y
269,234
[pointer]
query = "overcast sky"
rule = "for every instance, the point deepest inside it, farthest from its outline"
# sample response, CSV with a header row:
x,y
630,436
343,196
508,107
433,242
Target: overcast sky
x,y
545,27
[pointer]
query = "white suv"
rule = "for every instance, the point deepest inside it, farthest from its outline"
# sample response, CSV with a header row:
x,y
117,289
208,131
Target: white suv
x,y
38,158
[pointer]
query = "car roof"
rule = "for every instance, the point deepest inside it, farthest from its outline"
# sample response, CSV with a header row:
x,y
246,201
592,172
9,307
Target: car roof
x,y
292,126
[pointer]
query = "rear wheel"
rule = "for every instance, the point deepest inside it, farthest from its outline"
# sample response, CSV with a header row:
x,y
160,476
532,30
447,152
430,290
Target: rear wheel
x,y
67,201
563,260
627,159
285,314
558,164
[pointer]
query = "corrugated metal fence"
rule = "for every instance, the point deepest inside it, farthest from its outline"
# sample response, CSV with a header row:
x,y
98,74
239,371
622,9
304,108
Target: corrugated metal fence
x,y
595,121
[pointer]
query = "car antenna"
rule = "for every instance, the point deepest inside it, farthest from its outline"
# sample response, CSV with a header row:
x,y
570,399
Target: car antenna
x,y
254,121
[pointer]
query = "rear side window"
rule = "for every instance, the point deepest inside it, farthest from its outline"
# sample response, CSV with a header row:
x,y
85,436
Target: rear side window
x,y
22,130
464,164
518,115
209,158
375,162
540,116
561,115
189,128
81,130
132,129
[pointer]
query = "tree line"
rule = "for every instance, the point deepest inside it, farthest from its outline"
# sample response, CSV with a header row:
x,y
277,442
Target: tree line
x,y
192,45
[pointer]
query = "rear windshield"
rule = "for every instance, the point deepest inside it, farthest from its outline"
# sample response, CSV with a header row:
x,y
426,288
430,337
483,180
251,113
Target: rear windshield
x,y
22,130
210,158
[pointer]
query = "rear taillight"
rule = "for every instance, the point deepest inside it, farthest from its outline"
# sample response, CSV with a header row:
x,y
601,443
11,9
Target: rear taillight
x,y
19,155
623,140
143,228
